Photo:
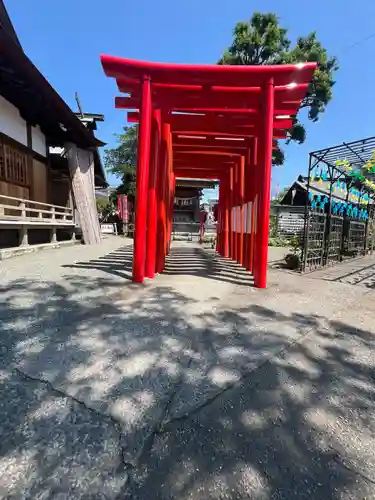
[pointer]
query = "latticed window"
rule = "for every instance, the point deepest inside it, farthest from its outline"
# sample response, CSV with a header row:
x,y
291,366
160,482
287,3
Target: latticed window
x,y
13,164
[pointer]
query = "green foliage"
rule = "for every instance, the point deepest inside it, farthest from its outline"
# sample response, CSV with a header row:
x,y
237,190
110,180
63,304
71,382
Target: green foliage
x,y
263,41
104,206
275,239
278,241
122,160
293,259
276,200
295,244
278,157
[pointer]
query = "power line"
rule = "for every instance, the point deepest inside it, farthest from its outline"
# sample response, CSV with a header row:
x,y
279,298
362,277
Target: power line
x,y
357,43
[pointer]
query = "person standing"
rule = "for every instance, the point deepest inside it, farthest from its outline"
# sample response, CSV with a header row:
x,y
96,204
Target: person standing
x,y
202,220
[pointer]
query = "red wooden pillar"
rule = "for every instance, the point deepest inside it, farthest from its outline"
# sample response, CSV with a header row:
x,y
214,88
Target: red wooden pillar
x,y
263,215
226,212
245,215
231,213
152,196
162,198
142,182
171,205
169,191
219,222
235,203
222,215
241,209
171,188
254,202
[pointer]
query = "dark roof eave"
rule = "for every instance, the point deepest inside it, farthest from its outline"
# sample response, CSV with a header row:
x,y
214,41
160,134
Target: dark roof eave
x,y
100,172
21,63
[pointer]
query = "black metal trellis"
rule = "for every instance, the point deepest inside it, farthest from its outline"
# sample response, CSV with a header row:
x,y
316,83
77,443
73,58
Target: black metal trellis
x,y
330,237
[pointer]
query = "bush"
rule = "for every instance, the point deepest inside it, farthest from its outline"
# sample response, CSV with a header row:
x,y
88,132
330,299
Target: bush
x,y
278,241
292,261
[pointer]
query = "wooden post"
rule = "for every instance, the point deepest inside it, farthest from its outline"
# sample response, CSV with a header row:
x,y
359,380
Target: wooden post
x,y
264,186
143,159
162,197
53,236
23,209
23,236
81,172
152,216
241,192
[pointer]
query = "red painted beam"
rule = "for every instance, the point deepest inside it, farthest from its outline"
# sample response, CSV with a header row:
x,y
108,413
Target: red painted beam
x,y
187,174
214,123
208,134
128,85
201,168
193,74
178,99
289,108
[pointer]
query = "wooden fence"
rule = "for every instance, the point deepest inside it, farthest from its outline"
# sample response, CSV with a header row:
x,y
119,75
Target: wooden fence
x,y
24,211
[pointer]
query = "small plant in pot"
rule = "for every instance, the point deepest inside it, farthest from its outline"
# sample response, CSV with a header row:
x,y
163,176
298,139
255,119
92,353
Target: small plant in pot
x,y
293,259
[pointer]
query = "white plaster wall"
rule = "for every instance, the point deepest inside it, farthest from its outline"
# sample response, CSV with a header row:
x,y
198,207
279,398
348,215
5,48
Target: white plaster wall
x,y
11,122
38,141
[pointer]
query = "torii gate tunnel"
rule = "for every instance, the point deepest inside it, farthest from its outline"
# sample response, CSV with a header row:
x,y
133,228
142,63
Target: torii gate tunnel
x,y
207,122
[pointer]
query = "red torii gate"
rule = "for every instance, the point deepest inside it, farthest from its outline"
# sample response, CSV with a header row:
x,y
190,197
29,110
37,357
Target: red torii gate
x,y
203,121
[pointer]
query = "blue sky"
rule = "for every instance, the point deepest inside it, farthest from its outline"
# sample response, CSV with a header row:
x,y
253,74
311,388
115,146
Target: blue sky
x,y
64,40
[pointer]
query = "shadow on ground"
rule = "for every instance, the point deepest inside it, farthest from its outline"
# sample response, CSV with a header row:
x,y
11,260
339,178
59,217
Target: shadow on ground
x,y
117,263
359,272
364,276
129,395
198,261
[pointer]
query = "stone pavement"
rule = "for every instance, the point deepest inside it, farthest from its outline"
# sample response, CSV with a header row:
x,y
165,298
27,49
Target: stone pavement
x,y
359,272
193,386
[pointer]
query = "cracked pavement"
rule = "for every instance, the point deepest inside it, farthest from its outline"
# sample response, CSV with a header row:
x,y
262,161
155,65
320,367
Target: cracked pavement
x,y
193,386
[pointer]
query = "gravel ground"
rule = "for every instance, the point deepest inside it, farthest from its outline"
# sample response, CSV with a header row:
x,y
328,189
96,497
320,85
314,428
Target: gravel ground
x,y
195,385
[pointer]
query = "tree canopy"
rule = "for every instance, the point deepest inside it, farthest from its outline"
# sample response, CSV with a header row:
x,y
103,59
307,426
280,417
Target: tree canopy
x,y
122,160
263,41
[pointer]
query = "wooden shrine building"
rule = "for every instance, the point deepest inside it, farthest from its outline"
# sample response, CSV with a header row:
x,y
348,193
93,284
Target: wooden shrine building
x,y
49,160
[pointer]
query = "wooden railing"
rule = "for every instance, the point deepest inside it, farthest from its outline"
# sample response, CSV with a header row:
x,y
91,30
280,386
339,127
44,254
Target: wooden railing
x,y
20,210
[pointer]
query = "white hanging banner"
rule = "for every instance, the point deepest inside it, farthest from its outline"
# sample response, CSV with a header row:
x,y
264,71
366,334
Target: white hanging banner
x,y
244,211
249,217
255,214
184,201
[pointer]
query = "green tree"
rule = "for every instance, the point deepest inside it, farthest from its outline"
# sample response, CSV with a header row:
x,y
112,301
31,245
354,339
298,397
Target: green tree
x,y
263,41
104,207
122,160
276,199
